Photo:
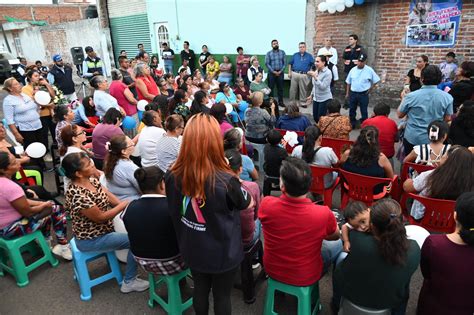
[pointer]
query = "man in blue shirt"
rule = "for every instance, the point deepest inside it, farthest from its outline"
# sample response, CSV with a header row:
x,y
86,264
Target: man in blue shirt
x,y
360,82
424,106
275,60
298,67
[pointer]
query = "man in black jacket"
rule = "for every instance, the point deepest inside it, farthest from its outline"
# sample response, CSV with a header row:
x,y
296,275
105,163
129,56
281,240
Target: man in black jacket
x,y
61,76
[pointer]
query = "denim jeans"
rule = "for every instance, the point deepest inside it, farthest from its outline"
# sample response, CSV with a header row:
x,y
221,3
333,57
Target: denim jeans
x,y
330,250
109,242
240,112
278,80
361,100
256,234
320,109
169,68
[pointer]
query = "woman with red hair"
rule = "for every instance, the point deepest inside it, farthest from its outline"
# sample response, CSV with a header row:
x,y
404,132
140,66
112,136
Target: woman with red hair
x,y
204,197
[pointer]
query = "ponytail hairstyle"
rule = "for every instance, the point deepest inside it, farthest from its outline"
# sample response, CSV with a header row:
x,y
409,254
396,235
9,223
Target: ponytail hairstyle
x,y
88,107
148,178
67,136
311,135
366,148
323,59
29,74
437,130
199,96
386,218
114,149
60,113
465,217
232,139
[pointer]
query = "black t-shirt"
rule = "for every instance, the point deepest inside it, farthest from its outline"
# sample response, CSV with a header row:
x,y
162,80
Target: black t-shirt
x,y
203,57
415,82
461,91
191,57
274,155
209,232
459,134
127,79
150,230
351,54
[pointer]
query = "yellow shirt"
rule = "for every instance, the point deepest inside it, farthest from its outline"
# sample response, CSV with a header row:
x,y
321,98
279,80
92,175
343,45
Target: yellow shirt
x,y
28,90
212,69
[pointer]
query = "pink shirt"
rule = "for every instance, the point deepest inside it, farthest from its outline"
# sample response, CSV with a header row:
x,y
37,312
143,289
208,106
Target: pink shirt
x,y
10,192
100,136
224,127
117,89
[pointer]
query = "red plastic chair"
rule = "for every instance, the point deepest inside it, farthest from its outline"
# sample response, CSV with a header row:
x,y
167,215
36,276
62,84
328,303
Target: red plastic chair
x,y
289,148
337,145
361,188
317,186
439,214
419,168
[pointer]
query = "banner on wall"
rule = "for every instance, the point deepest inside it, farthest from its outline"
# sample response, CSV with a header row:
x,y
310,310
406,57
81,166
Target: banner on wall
x,y
433,23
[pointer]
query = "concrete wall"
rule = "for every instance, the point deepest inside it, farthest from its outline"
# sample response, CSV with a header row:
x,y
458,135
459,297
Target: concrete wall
x,y
41,43
224,25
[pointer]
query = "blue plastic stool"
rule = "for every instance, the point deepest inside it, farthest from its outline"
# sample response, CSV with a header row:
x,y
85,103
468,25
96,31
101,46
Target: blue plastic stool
x,y
81,273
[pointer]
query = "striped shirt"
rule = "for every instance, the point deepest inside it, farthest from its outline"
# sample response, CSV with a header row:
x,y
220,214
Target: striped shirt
x,y
21,111
275,60
103,101
167,149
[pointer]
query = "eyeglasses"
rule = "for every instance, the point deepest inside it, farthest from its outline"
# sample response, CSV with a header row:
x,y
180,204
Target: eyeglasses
x,y
80,133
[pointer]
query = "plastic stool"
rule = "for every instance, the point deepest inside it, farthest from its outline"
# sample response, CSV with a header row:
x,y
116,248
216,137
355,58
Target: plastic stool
x,y
175,304
349,308
247,279
305,296
261,155
81,273
14,249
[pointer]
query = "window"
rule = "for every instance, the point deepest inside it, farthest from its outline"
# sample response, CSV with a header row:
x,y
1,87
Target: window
x,y
17,41
163,37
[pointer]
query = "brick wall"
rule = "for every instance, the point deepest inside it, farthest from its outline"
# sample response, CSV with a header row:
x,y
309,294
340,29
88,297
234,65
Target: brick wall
x,y
53,14
384,32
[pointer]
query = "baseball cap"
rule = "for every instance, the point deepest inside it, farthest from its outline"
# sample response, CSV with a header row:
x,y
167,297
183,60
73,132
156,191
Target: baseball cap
x,y
57,58
89,49
325,52
362,57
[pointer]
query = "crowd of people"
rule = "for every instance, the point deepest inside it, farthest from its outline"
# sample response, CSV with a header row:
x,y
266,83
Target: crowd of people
x,y
179,171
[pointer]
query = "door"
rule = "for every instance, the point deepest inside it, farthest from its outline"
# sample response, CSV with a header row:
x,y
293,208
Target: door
x,y
162,36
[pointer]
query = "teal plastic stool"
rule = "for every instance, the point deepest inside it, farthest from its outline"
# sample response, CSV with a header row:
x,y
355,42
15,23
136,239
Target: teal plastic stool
x,y
81,273
305,296
175,305
11,251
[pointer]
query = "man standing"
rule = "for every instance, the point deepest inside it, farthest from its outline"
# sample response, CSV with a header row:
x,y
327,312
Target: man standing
x,y
301,238
275,60
298,68
188,54
351,53
92,65
140,49
167,55
424,106
22,70
360,82
61,76
328,47
127,74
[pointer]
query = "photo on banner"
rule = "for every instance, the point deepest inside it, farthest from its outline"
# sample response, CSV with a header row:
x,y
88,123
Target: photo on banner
x,y
433,23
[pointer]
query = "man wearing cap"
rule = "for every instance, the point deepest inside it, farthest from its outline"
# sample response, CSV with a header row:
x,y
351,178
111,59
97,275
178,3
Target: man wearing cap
x,y
360,81
328,48
298,67
92,65
61,76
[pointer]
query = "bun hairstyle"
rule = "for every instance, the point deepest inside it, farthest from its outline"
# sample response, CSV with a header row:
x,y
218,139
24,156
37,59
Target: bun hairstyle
x,y
386,218
173,121
96,80
234,158
465,217
437,130
148,178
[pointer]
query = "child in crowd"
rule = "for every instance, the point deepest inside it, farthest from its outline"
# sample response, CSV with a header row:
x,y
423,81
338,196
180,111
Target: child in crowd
x,y
357,217
249,222
431,154
388,130
274,153
448,67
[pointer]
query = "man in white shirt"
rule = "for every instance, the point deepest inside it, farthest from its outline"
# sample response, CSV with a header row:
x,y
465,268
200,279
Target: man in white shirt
x,y
332,50
185,66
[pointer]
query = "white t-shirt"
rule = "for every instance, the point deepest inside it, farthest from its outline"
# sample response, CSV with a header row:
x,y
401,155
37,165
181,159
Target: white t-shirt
x,y
324,157
146,145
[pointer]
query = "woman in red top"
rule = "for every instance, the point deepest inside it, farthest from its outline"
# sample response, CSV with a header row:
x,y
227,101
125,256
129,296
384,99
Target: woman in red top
x,y
146,86
125,99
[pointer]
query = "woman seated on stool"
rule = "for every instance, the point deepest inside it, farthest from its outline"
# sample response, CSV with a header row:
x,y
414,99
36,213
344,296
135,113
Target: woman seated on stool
x,y
92,208
20,216
259,122
148,223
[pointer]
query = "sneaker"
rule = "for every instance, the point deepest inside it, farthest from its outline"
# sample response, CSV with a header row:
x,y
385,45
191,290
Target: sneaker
x,y
63,250
137,285
48,158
